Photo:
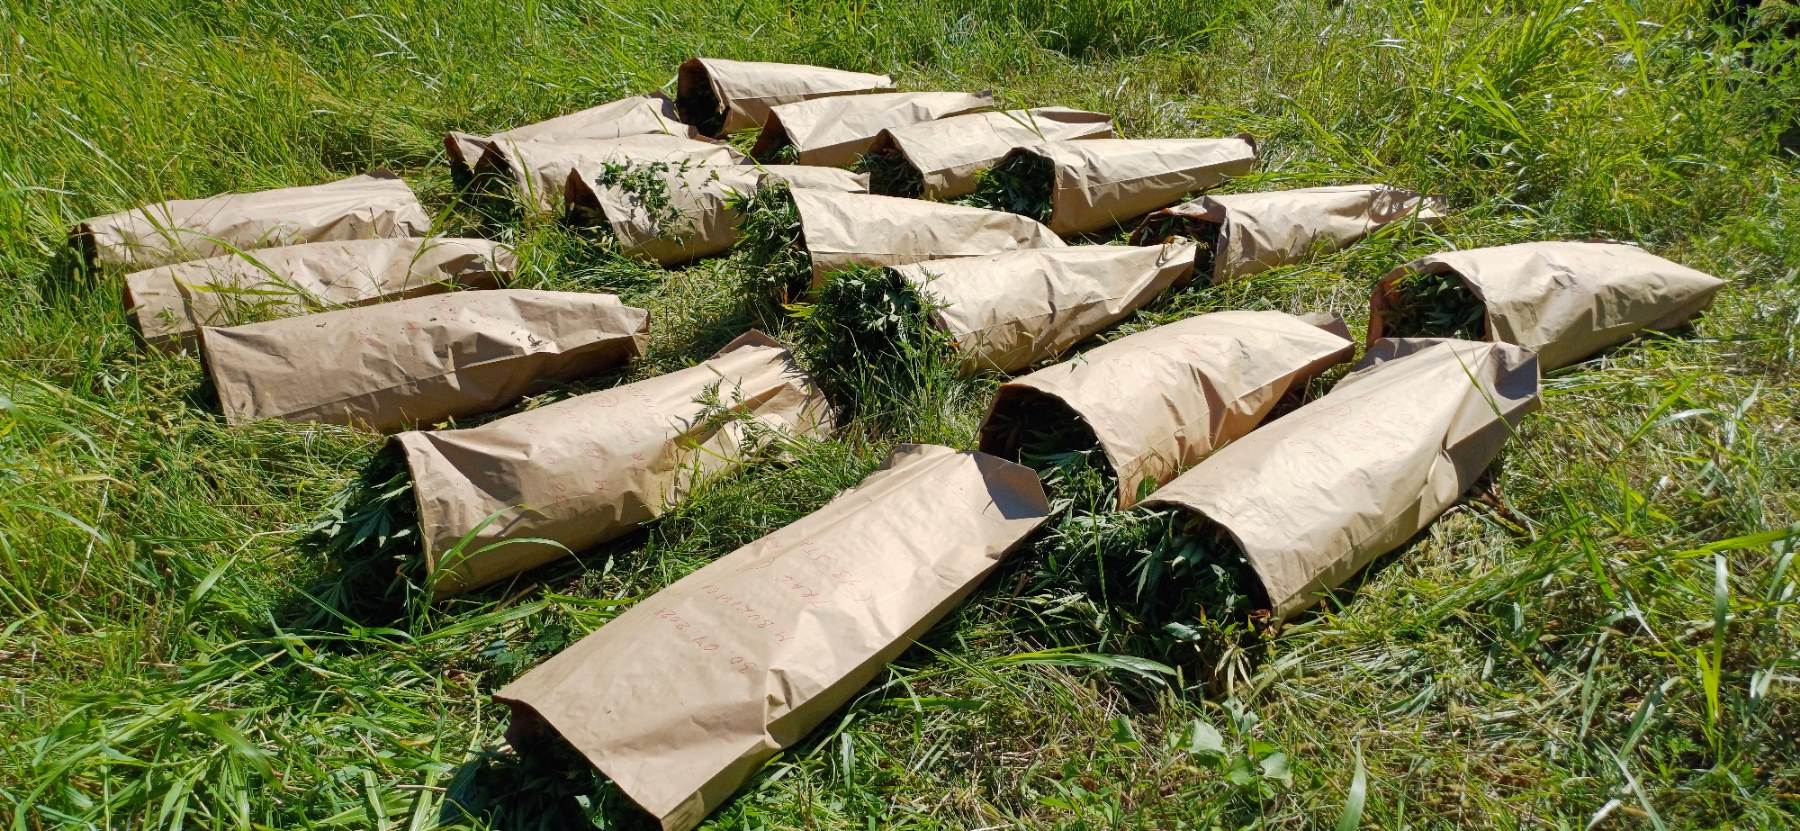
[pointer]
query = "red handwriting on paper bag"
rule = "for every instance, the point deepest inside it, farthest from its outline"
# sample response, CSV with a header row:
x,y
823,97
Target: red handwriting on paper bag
x,y
707,643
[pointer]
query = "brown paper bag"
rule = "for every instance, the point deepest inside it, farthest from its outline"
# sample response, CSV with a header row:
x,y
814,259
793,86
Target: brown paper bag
x,y
361,207
702,225
1102,183
680,699
419,361
592,468
1316,495
539,170
720,96
627,117
846,229
1259,231
1008,311
1563,300
835,131
1161,400
948,152
170,302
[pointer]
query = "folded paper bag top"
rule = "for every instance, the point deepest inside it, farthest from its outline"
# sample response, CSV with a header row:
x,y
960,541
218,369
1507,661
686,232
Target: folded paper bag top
x,y
701,224
540,169
1316,495
168,303
360,207
591,468
835,131
1100,183
846,229
723,96
1259,231
681,698
632,116
419,361
947,153
1007,311
1161,400
1563,300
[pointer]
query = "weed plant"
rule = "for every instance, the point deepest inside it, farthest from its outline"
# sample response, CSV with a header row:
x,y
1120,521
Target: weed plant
x,y
771,239
1023,183
891,174
1433,305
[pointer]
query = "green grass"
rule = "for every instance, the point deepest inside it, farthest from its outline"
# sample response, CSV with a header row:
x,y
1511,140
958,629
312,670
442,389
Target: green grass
x,y
1606,635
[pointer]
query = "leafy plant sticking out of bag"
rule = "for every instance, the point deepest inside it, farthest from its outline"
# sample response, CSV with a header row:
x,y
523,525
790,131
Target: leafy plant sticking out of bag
x,y
940,159
1248,233
1318,494
391,365
675,213
378,205
1565,301
169,303
793,237
539,171
1157,402
720,96
835,131
680,699
1077,187
633,116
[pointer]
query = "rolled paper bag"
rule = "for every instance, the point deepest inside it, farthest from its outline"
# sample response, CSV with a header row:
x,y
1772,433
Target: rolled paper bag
x,y
720,96
590,469
539,170
672,214
374,206
1241,234
392,365
1565,301
633,116
169,303
1159,401
1080,186
939,159
684,696
835,131
1314,496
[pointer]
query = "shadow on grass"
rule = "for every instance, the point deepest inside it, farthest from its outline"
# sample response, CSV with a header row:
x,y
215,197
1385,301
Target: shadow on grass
x,y
550,787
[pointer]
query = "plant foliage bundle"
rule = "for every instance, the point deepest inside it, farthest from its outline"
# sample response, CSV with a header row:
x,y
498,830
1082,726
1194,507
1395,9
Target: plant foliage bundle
x,y
770,236
1023,184
1205,235
647,183
867,330
369,533
699,106
1424,304
891,174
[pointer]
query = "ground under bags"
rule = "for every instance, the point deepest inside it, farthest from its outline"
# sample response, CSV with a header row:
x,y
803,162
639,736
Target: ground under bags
x,y
684,696
1316,495
1080,186
685,215
627,117
361,207
939,159
419,361
835,131
591,468
720,96
1161,400
1563,300
1248,233
169,303
539,170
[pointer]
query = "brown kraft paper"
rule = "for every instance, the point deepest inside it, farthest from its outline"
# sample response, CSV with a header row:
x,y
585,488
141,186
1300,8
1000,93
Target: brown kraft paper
x,y
168,303
846,229
1163,399
684,696
706,227
1101,183
1008,311
948,152
1565,300
1260,231
729,96
1317,494
589,469
834,131
388,366
374,206
539,170
615,119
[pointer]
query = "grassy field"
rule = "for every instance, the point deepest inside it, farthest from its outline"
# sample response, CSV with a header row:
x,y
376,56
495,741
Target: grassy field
x,y
1605,637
